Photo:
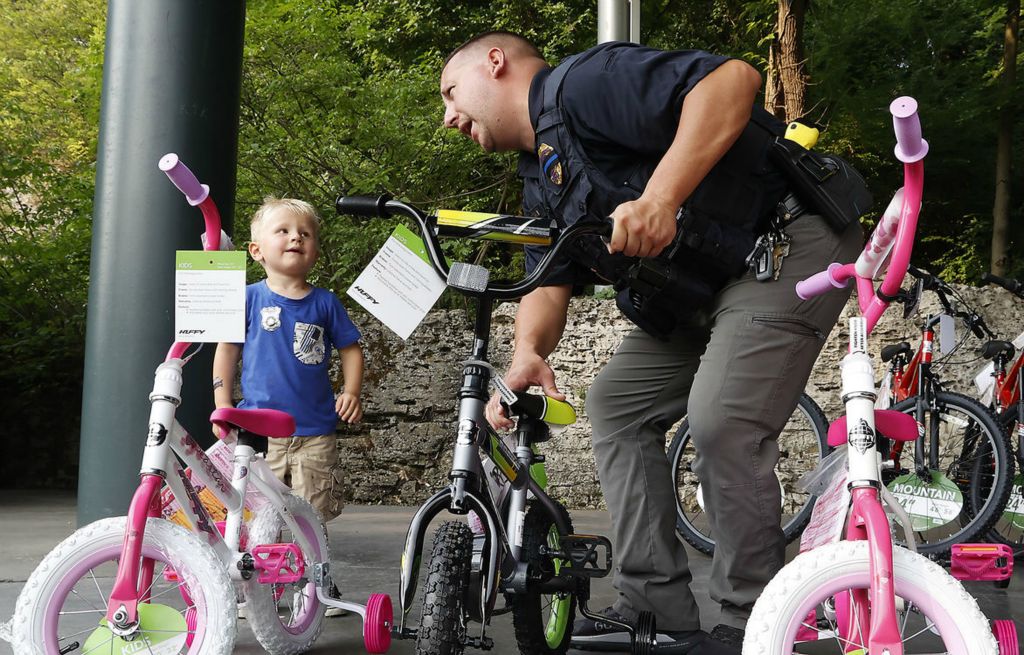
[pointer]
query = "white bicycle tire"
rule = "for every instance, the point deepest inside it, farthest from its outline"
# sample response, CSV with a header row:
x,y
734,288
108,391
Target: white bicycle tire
x,y
260,606
916,578
203,570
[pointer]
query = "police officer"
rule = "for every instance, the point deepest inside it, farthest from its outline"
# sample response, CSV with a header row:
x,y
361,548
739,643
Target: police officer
x,y
637,134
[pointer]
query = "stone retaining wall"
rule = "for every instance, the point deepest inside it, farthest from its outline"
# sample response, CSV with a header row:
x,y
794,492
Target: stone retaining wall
x,y
401,452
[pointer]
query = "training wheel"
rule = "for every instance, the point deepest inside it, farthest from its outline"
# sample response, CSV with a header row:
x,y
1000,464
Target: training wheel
x,y
1006,634
377,624
644,639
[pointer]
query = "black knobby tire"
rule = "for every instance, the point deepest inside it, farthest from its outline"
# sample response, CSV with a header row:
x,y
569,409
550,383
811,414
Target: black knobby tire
x,y
442,621
975,456
808,415
532,615
1005,532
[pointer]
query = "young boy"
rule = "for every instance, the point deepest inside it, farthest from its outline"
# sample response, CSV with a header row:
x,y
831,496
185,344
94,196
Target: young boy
x,y
291,328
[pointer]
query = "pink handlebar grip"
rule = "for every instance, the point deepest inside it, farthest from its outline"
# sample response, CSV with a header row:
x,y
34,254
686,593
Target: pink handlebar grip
x,y
819,283
910,147
184,179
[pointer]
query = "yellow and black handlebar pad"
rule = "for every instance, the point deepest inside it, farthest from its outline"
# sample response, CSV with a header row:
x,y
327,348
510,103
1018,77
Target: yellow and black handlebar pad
x,y
496,227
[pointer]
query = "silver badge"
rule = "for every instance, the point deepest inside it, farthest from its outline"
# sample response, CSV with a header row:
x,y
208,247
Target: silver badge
x,y
271,318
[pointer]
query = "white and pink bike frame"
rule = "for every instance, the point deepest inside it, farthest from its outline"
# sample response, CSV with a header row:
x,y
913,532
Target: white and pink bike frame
x,y
274,563
888,251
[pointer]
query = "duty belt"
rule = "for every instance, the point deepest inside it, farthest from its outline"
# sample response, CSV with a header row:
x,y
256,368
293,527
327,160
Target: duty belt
x,y
789,209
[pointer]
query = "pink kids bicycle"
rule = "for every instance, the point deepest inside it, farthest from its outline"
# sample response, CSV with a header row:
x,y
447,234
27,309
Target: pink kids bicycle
x,y
143,584
863,595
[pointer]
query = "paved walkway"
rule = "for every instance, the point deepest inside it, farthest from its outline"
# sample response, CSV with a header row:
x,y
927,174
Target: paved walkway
x,y
366,545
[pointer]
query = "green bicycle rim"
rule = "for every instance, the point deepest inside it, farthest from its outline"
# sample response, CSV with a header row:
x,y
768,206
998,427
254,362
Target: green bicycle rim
x,y
558,620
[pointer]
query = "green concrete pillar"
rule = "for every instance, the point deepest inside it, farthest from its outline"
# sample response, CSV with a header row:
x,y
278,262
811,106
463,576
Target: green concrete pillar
x,y
171,83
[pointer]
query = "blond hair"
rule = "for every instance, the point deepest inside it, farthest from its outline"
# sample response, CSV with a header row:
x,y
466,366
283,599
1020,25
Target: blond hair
x,y
270,203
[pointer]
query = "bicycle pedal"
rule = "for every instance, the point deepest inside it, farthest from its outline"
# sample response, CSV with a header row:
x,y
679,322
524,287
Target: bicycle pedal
x,y
589,556
981,562
481,643
278,563
468,277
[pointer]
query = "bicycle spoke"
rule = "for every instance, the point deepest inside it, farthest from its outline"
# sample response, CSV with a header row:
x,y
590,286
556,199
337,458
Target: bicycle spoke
x,y
96,582
86,601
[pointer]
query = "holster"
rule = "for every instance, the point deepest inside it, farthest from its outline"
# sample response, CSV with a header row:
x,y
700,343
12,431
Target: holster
x,y
659,292
826,184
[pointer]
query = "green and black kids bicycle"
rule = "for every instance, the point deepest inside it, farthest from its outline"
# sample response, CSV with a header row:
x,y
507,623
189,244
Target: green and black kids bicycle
x,y
523,545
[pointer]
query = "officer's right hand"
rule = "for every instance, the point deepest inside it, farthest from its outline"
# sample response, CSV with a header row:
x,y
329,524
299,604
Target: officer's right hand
x,y
526,370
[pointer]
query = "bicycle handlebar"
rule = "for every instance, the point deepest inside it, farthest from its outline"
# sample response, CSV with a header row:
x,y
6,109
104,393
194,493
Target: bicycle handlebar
x,y
895,235
383,206
1013,286
366,206
910,147
184,179
821,282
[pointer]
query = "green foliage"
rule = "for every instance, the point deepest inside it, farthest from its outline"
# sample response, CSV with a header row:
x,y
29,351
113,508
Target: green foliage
x,y
50,75
342,97
862,54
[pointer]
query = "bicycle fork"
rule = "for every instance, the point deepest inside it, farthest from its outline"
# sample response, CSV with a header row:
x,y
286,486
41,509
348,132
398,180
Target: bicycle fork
x,y
133,574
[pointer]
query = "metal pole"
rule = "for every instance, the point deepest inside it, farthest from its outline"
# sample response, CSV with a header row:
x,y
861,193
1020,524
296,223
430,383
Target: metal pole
x,y
171,83
618,20
612,20
634,21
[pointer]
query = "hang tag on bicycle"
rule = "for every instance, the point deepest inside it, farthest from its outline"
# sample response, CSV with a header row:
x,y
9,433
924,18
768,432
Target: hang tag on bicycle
x,y
947,334
399,286
507,395
209,296
831,508
884,398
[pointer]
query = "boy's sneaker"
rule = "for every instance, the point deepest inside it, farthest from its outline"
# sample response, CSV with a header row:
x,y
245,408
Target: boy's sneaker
x,y
335,611
728,635
588,634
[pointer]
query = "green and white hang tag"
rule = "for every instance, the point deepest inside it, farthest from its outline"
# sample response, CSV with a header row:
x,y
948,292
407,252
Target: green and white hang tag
x,y
162,631
930,504
209,296
1014,512
399,286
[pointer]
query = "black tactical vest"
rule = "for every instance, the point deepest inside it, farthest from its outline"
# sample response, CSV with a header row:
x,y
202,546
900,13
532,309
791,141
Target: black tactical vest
x,y
720,221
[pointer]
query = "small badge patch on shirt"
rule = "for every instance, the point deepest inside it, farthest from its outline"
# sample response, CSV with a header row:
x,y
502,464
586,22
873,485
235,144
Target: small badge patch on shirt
x,y
271,318
308,344
551,163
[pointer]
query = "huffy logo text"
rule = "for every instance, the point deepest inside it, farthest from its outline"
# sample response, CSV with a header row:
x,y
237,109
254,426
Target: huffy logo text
x,y
366,295
191,331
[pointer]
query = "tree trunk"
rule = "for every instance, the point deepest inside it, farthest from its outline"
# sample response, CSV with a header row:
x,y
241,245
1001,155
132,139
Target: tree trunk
x,y
786,88
1001,206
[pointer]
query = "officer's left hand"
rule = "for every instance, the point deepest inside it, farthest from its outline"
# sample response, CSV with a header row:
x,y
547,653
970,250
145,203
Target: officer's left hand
x,y
643,227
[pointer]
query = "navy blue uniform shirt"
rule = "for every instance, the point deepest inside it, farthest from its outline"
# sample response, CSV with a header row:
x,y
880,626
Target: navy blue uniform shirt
x,y
623,107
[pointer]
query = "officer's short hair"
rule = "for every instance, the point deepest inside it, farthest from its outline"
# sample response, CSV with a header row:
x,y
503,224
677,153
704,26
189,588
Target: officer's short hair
x,y
499,37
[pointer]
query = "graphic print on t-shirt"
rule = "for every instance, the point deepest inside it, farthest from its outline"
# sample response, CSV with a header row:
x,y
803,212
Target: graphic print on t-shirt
x,y
271,318
308,344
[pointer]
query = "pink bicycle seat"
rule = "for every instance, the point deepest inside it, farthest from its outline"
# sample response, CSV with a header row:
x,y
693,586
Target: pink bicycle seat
x,y
888,422
265,422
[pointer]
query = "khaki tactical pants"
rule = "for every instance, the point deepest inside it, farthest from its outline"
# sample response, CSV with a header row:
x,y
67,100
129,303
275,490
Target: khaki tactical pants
x,y
737,373
309,465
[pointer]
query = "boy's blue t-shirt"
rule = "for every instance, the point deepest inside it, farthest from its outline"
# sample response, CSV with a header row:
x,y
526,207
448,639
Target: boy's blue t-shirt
x,y
287,353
